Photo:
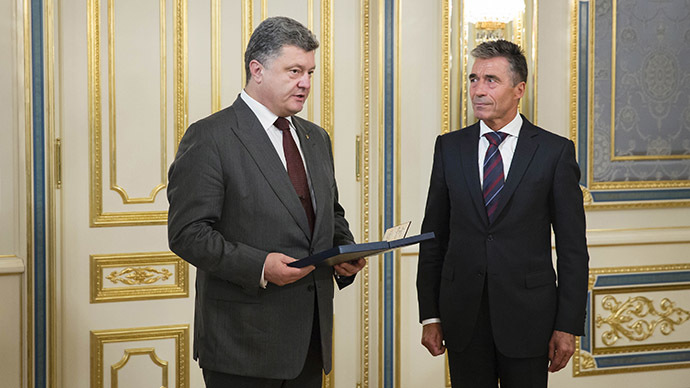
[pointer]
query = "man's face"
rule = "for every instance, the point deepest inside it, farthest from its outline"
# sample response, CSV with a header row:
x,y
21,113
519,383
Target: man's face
x,y
494,98
283,83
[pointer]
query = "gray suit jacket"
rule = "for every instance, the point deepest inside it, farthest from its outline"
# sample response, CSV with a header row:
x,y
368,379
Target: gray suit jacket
x,y
232,203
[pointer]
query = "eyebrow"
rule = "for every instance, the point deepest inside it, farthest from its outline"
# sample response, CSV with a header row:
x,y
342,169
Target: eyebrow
x,y
490,76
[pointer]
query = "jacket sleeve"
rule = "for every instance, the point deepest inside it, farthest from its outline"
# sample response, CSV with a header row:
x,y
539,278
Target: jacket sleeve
x,y
432,252
568,222
196,197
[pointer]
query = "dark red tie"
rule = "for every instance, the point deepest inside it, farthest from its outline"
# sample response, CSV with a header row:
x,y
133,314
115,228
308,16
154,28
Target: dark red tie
x,y
295,169
493,173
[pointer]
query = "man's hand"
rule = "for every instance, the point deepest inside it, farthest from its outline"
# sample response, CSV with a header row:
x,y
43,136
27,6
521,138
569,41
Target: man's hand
x,y
561,348
277,272
432,338
349,268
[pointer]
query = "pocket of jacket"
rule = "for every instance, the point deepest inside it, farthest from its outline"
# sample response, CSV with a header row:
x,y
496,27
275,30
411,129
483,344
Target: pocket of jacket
x,y
541,278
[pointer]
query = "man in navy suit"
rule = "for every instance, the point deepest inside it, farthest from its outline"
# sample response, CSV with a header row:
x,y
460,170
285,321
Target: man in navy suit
x,y
486,285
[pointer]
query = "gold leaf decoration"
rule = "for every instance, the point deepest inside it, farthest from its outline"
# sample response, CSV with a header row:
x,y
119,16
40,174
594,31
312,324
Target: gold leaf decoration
x,y
636,319
139,275
586,196
586,361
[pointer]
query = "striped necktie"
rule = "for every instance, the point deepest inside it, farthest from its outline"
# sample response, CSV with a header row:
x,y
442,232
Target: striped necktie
x,y
493,173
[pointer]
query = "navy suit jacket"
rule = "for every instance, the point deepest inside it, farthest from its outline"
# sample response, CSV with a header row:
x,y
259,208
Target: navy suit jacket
x,y
513,254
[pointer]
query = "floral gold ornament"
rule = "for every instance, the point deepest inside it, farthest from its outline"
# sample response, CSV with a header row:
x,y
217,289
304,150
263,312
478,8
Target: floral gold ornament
x,y
586,361
637,319
138,276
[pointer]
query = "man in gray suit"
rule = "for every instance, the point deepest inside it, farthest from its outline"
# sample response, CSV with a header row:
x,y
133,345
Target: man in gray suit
x,y
252,189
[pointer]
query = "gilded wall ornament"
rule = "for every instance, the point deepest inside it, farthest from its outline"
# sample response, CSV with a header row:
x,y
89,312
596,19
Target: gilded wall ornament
x,y
138,276
636,319
586,361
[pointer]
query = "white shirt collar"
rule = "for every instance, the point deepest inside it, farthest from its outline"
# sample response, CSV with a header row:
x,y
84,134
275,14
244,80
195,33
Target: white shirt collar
x,y
512,128
265,116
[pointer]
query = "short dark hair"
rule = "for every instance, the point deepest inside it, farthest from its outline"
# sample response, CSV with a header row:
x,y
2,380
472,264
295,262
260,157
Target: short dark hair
x,y
271,35
508,50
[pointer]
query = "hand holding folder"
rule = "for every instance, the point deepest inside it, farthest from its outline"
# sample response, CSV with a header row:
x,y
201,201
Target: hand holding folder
x,y
345,253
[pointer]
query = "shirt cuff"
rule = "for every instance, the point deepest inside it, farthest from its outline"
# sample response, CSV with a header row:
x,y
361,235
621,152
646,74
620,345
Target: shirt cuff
x,y
431,320
262,282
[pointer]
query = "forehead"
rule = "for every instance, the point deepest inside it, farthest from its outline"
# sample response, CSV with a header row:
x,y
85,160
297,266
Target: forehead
x,y
491,66
292,55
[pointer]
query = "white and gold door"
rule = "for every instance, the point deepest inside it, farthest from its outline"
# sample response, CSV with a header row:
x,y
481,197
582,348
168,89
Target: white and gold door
x,y
129,76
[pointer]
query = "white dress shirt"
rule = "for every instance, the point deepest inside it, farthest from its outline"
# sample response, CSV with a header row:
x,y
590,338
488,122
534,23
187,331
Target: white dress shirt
x,y
267,120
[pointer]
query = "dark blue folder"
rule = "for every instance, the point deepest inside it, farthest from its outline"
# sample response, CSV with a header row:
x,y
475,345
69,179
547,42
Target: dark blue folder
x,y
342,253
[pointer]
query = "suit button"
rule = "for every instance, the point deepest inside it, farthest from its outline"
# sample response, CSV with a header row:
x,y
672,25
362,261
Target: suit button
x,y
490,237
310,288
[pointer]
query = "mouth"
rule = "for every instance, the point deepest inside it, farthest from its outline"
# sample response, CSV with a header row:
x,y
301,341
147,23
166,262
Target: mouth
x,y
480,104
300,96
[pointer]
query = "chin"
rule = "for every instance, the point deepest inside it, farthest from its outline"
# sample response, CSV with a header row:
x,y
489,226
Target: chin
x,y
294,110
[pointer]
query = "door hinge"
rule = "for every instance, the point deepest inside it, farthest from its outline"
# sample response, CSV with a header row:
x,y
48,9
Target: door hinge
x,y
58,163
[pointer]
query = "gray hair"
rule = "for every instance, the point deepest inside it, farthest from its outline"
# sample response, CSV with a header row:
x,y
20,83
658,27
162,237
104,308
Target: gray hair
x,y
508,50
271,35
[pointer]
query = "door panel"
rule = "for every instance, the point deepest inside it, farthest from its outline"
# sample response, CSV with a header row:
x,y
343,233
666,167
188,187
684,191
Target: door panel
x,y
131,76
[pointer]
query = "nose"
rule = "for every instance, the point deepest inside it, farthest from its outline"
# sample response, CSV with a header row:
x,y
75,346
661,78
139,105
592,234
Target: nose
x,y
478,88
305,81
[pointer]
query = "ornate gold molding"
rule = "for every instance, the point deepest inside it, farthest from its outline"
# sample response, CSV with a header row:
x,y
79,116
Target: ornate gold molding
x,y
586,195
574,124
445,66
586,361
151,352
101,338
98,217
633,321
573,70
138,276
627,319
366,135
215,55
327,65
112,123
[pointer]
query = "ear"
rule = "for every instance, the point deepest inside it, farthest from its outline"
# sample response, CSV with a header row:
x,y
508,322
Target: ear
x,y
256,69
520,90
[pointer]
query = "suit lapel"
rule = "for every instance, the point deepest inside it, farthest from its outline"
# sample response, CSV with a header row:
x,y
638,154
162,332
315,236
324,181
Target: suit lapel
x,y
524,152
469,148
254,138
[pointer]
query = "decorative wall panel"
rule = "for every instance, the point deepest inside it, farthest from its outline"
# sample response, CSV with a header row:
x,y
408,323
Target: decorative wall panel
x,y
151,356
138,276
630,92
638,318
129,44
